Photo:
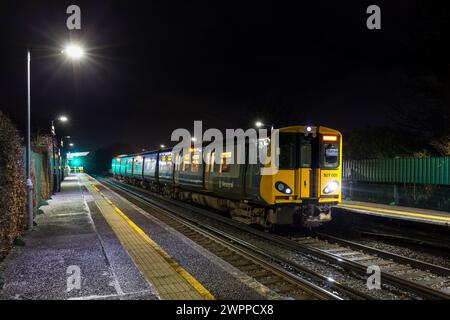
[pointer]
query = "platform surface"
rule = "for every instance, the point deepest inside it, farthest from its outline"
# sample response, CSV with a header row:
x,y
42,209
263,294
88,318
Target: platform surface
x,y
169,279
118,251
397,212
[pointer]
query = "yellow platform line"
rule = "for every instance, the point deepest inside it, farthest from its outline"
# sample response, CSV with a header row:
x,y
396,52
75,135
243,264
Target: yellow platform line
x,y
175,266
397,212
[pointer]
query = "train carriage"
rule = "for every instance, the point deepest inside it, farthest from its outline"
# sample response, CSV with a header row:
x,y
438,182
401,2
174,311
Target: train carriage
x,y
302,191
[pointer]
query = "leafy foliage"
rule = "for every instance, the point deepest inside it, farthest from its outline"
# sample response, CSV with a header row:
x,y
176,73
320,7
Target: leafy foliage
x,y
12,185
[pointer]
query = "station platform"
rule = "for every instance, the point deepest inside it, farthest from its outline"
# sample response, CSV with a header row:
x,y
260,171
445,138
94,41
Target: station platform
x,y
397,212
91,243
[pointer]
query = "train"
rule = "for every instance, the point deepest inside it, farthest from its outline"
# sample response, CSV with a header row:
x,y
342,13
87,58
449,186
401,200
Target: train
x,y
300,193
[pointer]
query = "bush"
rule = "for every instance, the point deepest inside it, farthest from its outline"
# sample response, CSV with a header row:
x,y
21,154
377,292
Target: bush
x,y
12,185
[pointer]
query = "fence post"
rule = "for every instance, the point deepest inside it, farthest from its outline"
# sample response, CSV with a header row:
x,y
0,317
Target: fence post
x,y
350,190
396,198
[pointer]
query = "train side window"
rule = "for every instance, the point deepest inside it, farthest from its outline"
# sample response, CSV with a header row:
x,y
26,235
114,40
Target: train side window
x,y
263,149
225,163
288,151
195,162
178,159
186,162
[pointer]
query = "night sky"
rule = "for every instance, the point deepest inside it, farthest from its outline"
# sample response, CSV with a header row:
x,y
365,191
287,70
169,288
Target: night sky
x,y
155,66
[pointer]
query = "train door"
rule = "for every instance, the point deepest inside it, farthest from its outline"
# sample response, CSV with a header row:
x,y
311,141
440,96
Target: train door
x,y
209,170
305,168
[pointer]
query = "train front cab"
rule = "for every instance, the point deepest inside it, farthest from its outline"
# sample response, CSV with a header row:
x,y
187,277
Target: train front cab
x,y
308,182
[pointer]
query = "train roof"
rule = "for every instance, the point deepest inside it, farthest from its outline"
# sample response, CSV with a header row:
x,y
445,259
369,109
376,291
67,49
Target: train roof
x,y
297,128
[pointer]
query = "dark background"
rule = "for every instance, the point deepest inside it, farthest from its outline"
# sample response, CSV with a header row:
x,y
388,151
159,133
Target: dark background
x,y
155,66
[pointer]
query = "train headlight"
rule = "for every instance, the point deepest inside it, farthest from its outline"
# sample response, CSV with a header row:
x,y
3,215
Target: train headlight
x,y
331,187
282,187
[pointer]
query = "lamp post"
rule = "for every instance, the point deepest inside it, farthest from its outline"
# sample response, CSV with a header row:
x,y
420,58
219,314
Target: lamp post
x,y
73,52
28,151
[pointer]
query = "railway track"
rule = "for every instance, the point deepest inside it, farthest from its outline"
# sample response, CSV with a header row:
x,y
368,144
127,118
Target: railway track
x,y
264,268
427,279
415,278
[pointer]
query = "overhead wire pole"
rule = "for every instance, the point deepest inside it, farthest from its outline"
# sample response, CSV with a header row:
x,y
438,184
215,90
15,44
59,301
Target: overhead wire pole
x,y
28,150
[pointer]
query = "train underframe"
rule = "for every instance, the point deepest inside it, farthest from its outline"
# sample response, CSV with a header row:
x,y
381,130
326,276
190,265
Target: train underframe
x,y
308,215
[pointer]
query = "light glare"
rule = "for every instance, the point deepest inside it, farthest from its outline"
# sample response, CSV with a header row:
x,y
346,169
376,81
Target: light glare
x,y
74,51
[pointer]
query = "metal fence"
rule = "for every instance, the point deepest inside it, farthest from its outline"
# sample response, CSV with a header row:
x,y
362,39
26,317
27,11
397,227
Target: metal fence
x,y
431,171
414,182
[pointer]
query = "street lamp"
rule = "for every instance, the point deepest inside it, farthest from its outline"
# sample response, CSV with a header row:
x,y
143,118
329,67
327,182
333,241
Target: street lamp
x,y
71,144
260,124
74,52
162,146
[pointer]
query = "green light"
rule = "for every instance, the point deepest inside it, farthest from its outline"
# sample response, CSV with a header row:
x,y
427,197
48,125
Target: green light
x,y
76,162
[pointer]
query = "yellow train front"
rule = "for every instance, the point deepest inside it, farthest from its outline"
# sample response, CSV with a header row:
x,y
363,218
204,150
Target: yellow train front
x,y
308,182
301,192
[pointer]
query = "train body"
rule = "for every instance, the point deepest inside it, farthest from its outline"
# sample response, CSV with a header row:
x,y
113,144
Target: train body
x,y
301,192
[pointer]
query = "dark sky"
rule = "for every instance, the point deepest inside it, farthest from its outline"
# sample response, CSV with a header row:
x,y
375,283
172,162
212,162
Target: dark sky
x,y
154,66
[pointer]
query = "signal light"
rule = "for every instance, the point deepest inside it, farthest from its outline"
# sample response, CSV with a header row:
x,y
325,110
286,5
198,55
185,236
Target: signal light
x,y
330,138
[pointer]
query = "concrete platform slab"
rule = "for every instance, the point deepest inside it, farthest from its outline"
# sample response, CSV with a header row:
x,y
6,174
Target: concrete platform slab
x,y
398,212
66,241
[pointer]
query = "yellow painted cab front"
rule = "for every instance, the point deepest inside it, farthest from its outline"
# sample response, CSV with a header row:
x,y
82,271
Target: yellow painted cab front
x,y
308,181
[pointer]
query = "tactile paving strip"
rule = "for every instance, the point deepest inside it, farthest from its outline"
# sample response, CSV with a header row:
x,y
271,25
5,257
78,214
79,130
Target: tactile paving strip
x,y
168,278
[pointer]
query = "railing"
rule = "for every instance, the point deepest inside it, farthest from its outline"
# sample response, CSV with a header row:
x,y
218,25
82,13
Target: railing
x,y
431,171
416,182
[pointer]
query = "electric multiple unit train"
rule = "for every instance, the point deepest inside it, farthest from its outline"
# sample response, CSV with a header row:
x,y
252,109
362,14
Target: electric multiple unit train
x,y
300,193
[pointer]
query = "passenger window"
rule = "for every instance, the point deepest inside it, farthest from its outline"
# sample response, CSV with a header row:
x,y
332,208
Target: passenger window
x,y
225,163
186,162
195,162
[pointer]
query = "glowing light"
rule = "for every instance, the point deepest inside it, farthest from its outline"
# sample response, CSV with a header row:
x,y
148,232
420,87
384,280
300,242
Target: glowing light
x,y
193,139
162,146
63,119
259,124
331,187
309,129
331,279
330,138
288,190
71,144
73,51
